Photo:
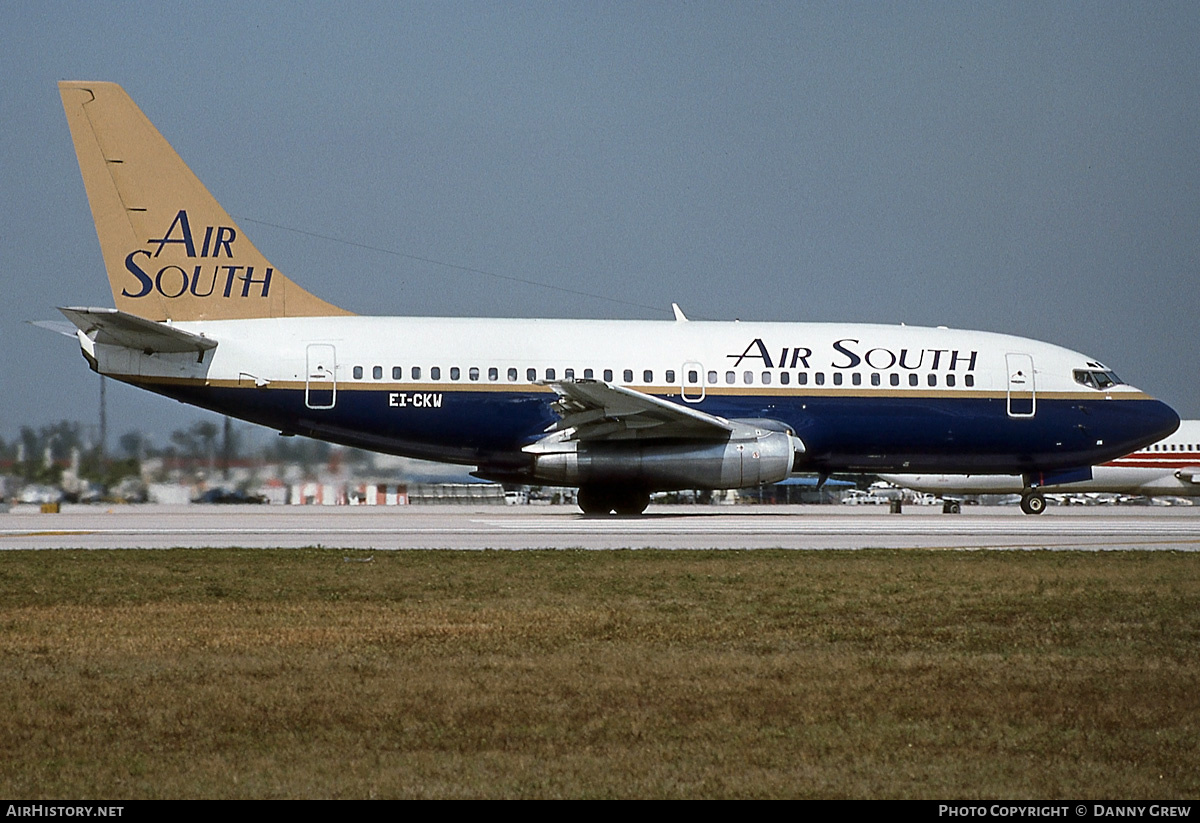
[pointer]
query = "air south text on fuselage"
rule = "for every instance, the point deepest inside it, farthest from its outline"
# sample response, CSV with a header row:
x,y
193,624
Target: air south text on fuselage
x,y
848,357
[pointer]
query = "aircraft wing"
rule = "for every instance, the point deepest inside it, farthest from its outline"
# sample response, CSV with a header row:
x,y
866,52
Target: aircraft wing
x,y
595,410
117,328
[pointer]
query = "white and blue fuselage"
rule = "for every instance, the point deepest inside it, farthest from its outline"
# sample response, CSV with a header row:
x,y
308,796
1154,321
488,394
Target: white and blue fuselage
x,y
479,391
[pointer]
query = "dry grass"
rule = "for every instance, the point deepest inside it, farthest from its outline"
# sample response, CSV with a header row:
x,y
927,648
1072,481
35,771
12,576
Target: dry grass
x,y
599,674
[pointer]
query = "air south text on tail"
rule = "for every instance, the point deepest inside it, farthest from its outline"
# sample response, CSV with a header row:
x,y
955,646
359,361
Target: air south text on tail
x,y
618,408
171,251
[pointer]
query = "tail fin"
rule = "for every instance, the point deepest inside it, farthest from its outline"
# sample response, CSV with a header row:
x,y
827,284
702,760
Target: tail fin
x,y
171,251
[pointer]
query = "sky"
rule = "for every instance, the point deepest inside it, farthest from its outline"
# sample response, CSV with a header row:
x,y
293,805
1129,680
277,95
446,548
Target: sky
x,y
1024,167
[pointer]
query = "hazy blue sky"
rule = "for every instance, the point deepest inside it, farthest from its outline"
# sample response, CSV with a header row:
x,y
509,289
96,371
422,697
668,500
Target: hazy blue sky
x,y
1031,168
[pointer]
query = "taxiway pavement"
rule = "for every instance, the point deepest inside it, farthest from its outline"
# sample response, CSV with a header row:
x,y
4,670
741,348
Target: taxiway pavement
x,y
563,527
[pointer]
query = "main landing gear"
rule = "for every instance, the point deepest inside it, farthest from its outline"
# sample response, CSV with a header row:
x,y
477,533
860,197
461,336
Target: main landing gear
x,y
1032,502
605,499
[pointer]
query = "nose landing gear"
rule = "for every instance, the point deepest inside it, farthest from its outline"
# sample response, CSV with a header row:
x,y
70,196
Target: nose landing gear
x,y
1033,503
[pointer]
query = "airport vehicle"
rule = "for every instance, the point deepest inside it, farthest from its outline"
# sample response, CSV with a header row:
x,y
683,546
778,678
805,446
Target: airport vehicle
x,y
1168,468
220,494
857,497
617,408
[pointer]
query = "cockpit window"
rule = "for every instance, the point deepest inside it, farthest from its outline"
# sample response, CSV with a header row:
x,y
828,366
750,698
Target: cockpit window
x,y
1096,379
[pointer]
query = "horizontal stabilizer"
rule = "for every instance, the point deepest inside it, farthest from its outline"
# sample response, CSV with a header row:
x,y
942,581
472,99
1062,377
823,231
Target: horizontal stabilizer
x,y
56,326
117,328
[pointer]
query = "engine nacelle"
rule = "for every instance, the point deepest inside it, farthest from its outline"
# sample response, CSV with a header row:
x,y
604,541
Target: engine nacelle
x,y
757,452
1189,474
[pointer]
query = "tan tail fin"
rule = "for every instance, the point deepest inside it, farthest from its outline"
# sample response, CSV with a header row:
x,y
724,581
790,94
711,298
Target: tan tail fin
x,y
171,251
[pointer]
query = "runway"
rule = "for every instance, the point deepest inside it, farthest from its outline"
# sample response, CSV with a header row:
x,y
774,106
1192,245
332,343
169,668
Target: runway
x,y
563,527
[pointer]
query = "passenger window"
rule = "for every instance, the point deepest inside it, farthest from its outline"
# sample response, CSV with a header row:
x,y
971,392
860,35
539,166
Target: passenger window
x,y
435,372
820,378
730,377
932,379
875,380
493,373
549,374
802,378
608,375
747,377
712,378
397,372
766,377
912,380
628,375
670,376
512,375
568,374
377,372
856,379
837,378
473,373
950,380
531,375
969,380
587,374
416,373
785,378
894,379
454,372
358,372
647,376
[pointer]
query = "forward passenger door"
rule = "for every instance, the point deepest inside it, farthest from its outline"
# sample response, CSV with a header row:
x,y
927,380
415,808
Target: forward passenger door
x,y
1022,390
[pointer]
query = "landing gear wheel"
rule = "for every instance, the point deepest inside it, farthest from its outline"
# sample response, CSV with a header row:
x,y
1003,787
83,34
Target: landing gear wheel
x,y
631,502
1033,503
594,501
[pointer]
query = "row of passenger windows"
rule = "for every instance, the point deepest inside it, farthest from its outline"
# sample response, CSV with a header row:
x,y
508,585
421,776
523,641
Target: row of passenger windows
x,y
693,376
493,374
839,378
1171,447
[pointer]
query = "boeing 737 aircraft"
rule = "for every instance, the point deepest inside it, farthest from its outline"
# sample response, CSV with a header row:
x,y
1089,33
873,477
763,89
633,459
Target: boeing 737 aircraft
x,y
1168,468
617,408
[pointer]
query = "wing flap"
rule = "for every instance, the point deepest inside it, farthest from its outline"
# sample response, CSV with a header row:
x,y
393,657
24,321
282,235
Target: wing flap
x,y
595,410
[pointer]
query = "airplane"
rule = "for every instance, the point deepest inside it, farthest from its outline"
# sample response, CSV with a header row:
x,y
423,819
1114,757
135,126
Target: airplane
x,y
618,408
1167,468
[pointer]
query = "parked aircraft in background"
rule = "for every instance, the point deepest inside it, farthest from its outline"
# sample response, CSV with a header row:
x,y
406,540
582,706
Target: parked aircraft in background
x,y
618,408
1168,468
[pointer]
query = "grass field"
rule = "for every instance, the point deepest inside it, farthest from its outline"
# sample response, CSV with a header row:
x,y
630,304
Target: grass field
x,y
317,673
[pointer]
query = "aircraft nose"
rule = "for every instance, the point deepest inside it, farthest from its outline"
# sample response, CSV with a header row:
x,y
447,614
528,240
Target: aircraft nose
x,y
1159,420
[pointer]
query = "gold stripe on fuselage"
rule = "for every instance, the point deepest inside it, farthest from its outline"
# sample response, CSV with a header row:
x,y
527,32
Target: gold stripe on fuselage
x,y
657,391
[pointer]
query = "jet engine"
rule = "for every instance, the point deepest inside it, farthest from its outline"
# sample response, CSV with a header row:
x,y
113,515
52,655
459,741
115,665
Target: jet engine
x,y
757,452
